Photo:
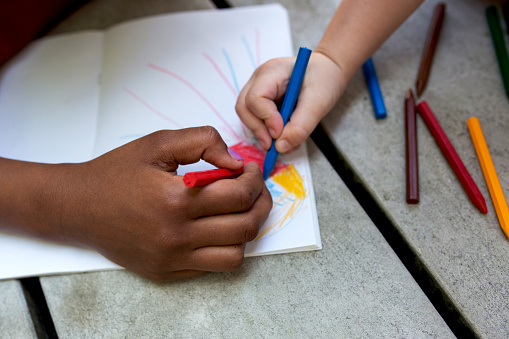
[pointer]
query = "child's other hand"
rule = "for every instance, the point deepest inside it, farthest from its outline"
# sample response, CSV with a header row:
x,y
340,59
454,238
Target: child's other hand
x,y
257,104
130,206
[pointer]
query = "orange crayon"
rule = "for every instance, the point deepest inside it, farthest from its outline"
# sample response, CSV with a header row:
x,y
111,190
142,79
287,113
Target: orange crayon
x,y
488,169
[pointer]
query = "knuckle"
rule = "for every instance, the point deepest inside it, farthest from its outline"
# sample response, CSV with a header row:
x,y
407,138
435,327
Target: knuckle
x,y
245,197
299,133
170,241
251,229
261,106
174,200
266,202
155,269
239,107
210,134
271,64
167,239
155,142
251,101
236,259
269,203
160,137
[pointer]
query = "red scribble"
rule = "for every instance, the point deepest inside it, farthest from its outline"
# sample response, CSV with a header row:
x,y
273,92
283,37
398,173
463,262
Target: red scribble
x,y
188,84
218,70
251,152
144,103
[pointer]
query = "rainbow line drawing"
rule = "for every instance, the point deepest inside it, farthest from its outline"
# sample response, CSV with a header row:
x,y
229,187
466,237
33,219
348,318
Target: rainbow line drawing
x,y
287,187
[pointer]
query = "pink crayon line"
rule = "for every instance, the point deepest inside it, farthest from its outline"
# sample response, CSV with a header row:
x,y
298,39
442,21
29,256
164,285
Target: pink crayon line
x,y
228,83
220,74
163,70
144,103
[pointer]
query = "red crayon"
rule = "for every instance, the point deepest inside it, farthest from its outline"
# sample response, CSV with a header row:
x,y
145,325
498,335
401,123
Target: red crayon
x,y
412,167
201,178
452,157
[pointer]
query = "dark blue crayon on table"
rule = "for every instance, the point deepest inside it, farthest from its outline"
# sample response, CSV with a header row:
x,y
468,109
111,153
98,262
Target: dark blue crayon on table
x,y
288,105
374,89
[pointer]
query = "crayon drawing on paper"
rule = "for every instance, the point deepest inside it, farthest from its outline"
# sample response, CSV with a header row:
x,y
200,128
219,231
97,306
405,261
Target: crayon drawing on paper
x,y
286,184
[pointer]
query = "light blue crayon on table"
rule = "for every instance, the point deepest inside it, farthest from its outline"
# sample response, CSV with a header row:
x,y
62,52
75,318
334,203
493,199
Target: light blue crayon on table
x,y
374,89
292,92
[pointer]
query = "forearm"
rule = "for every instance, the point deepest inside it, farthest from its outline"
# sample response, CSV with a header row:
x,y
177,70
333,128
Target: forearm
x,y
30,198
359,28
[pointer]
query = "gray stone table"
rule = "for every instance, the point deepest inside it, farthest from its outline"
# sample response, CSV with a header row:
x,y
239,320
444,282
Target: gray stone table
x,y
15,320
463,254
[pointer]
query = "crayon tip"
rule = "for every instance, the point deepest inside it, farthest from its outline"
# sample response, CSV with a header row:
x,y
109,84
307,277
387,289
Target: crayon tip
x,y
409,94
265,176
412,201
478,200
268,165
419,87
482,207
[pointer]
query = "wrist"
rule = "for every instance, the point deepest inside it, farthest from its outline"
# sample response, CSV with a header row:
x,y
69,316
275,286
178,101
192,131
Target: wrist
x,y
344,70
33,198
58,194
333,79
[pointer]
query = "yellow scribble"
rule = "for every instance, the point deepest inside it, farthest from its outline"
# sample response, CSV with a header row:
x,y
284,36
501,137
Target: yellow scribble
x,y
293,185
291,181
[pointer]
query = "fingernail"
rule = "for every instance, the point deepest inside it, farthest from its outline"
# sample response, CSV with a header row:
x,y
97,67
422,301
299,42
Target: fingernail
x,y
283,146
267,144
235,154
272,133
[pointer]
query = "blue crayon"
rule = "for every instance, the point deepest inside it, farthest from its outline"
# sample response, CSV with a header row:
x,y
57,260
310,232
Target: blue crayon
x,y
374,89
292,92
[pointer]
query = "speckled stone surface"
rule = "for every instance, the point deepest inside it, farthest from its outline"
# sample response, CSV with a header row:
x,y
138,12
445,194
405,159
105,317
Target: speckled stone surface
x,y
15,321
466,251
354,288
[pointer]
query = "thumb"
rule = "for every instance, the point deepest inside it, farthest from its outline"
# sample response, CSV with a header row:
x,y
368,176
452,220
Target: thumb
x,y
298,129
189,145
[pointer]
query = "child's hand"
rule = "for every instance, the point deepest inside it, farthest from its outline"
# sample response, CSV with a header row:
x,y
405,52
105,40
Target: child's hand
x,y
130,206
257,105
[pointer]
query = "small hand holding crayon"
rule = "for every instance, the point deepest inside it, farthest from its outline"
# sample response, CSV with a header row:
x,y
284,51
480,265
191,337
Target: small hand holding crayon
x,y
257,104
289,101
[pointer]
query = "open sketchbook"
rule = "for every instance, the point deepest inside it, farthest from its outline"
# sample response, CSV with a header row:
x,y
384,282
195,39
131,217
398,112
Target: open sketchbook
x,y
73,97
